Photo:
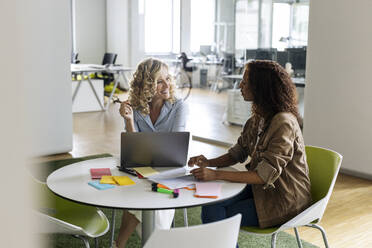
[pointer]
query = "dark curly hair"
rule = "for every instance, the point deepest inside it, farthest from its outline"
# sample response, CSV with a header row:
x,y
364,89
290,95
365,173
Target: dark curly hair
x,y
272,89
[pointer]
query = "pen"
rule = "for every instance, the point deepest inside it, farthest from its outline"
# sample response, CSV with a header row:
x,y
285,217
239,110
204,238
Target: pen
x,y
127,170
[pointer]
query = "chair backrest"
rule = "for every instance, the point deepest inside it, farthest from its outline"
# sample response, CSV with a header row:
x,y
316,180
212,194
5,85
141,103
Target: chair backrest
x,y
323,165
220,234
109,58
59,215
228,64
74,58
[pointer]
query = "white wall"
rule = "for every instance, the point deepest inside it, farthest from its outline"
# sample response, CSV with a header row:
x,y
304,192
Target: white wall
x,y
34,65
118,41
338,90
90,30
46,71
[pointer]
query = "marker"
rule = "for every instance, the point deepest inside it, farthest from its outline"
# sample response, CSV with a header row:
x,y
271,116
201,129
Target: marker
x,y
175,193
159,185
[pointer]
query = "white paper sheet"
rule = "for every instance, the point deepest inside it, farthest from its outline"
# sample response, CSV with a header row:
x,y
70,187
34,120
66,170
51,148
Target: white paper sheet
x,y
176,183
172,173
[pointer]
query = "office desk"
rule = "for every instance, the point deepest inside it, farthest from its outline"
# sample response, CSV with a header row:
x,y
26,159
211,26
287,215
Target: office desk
x,y
85,69
71,182
299,82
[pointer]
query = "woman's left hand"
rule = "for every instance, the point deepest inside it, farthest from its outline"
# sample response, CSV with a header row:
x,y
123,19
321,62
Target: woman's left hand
x,y
204,174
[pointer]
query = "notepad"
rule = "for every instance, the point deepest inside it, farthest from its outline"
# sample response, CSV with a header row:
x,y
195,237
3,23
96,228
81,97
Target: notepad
x,y
97,173
145,171
208,190
107,180
123,180
99,186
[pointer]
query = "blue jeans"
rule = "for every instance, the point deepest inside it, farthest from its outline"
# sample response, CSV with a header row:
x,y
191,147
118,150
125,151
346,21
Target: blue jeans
x,y
242,203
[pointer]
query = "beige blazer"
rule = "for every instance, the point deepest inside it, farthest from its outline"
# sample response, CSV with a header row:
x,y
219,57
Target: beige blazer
x,y
278,156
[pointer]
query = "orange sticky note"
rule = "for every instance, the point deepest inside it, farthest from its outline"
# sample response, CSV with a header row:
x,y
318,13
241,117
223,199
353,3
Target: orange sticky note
x,y
123,180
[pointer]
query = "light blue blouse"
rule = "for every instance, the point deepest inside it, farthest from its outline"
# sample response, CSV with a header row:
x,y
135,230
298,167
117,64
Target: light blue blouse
x,y
172,118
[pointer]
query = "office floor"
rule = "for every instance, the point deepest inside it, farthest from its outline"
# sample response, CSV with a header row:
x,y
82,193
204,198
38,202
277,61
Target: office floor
x,y
347,220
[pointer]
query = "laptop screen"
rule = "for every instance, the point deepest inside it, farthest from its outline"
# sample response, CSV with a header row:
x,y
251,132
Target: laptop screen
x,y
155,149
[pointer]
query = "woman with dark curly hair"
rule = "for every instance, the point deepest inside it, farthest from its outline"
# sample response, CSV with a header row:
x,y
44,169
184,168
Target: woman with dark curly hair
x,y
278,185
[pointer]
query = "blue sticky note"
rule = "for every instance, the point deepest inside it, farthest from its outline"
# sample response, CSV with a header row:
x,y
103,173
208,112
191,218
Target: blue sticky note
x,y
99,186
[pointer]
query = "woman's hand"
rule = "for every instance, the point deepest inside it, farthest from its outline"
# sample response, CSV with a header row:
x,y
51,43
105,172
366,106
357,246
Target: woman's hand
x,y
204,174
200,161
126,111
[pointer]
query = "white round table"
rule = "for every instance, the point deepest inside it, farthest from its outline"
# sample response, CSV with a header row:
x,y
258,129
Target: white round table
x,y
71,182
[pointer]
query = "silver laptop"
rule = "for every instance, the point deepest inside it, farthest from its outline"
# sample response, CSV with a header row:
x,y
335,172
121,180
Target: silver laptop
x,y
155,149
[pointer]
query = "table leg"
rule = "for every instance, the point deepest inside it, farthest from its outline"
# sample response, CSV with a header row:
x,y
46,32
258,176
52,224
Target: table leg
x,y
112,227
116,82
126,80
76,91
148,224
95,93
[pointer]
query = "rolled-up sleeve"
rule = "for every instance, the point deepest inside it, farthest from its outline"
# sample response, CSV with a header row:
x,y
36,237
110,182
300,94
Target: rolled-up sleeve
x,y
179,123
278,153
240,151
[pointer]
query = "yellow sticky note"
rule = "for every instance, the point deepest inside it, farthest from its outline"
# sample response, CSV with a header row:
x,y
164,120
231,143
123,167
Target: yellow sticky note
x,y
107,180
123,180
146,171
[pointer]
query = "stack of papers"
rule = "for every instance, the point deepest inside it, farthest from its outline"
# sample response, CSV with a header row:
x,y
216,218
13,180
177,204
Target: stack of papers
x,y
174,178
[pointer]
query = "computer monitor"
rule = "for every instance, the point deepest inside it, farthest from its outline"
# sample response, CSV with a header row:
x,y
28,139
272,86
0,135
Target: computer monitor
x,y
297,57
282,57
266,54
205,50
250,54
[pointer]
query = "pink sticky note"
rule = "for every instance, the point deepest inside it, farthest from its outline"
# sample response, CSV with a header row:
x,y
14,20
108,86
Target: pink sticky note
x,y
97,173
208,190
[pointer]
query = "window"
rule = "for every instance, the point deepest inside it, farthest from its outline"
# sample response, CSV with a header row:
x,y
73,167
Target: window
x,y
300,24
162,26
290,24
202,23
281,25
246,26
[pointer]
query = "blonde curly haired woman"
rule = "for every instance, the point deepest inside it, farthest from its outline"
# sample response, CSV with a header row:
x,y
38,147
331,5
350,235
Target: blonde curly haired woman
x,y
151,107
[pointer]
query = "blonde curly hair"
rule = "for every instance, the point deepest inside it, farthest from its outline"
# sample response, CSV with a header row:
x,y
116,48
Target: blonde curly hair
x,y
144,82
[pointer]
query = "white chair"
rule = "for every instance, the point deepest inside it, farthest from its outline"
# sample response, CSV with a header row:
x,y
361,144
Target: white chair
x,y
220,234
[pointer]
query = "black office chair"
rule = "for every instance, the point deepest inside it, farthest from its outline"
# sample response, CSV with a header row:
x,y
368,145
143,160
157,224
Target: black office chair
x,y
74,58
108,59
228,64
183,57
228,68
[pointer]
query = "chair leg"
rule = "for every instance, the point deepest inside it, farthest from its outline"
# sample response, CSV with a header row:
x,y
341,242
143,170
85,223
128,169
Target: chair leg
x,y
85,240
96,242
298,238
112,227
174,222
273,240
322,231
185,220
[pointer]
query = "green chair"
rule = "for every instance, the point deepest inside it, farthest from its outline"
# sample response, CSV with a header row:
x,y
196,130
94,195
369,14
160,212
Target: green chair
x,y
58,215
323,165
